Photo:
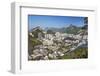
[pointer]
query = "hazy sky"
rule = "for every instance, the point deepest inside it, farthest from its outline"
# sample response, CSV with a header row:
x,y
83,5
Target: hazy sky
x,y
54,21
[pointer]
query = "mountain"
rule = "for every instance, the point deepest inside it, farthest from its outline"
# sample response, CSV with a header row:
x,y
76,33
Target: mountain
x,y
85,27
71,29
36,28
54,29
36,31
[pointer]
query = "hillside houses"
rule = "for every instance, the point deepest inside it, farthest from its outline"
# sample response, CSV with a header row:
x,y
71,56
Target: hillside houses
x,y
55,45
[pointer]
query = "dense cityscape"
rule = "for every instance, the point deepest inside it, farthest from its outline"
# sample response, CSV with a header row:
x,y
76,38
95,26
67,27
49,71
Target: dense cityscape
x,y
58,43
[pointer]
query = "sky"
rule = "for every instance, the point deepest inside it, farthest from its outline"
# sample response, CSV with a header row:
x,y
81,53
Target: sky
x,y
54,21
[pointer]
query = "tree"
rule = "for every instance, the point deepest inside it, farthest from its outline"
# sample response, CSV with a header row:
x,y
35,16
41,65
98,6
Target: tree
x,y
85,23
50,32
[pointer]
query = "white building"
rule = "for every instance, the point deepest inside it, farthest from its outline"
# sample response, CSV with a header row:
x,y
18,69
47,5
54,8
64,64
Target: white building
x,y
77,37
31,34
47,42
58,34
85,37
49,36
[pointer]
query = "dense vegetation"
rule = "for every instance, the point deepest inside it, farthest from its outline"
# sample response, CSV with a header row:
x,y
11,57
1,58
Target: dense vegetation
x,y
78,53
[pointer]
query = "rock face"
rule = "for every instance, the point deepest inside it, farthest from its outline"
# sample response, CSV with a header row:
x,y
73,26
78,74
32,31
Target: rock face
x,y
48,45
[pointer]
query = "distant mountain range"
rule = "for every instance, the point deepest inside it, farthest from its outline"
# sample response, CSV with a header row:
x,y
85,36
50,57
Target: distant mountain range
x,y
71,29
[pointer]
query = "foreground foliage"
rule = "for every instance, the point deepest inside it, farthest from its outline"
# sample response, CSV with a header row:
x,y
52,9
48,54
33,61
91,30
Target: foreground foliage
x,y
76,54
